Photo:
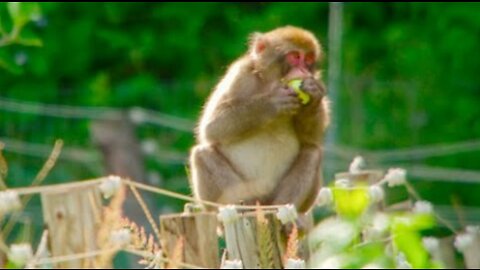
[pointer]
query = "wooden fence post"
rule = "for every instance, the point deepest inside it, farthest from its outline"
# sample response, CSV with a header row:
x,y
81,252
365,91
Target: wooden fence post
x,y
472,255
365,177
73,217
198,234
2,254
446,252
255,241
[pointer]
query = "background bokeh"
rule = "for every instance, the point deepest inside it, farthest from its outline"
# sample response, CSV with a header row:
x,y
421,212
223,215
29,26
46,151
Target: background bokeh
x,y
409,80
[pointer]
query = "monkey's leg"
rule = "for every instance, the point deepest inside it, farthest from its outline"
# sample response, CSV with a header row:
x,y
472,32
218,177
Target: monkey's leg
x,y
302,181
213,177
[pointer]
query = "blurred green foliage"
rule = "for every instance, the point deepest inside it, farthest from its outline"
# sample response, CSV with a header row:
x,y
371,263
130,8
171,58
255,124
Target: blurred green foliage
x,y
409,77
364,237
409,73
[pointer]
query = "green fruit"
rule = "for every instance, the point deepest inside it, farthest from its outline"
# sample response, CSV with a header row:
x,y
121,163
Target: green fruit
x,y
296,86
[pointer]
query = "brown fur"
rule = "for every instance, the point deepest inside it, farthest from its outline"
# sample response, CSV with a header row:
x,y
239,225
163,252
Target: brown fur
x,y
255,141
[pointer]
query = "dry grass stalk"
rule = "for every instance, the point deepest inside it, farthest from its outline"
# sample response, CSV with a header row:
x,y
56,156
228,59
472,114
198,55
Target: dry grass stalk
x,y
41,252
265,240
112,217
291,251
142,243
41,175
147,212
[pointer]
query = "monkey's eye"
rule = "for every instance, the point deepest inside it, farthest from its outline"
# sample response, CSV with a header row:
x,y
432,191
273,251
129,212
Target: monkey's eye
x,y
293,58
309,59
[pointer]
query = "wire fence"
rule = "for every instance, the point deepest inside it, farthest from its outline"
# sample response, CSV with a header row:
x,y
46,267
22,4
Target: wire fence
x,y
85,153
335,154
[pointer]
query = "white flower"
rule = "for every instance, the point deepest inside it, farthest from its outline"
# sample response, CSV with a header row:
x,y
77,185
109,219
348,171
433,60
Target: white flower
x,y
227,214
110,186
402,262
395,177
324,197
232,264
9,201
358,164
342,183
137,115
463,241
295,264
20,254
431,244
422,207
120,237
287,213
380,224
334,262
334,233
376,193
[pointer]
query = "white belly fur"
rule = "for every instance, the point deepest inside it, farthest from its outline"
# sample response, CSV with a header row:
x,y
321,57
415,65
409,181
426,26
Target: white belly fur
x,y
264,158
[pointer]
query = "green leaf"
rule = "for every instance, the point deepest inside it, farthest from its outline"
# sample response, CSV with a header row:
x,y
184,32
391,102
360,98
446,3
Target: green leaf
x,y
408,240
23,12
12,265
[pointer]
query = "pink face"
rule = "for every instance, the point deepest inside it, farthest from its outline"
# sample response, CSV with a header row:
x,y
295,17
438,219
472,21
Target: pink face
x,y
300,64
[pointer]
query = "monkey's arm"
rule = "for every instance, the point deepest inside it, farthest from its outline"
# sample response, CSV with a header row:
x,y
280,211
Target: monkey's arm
x,y
302,181
312,119
235,118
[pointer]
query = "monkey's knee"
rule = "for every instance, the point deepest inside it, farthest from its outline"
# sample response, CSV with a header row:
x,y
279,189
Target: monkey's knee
x,y
213,178
202,174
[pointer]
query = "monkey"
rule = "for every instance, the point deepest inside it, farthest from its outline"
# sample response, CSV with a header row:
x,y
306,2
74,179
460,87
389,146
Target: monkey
x,y
255,141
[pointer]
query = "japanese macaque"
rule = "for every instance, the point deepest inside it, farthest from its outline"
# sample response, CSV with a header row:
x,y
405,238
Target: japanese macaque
x,y
257,142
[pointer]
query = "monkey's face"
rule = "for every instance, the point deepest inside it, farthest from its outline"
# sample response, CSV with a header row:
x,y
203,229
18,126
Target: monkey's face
x,y
285,53
299,64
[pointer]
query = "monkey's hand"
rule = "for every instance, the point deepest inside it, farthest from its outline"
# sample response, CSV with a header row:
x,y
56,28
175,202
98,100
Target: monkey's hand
x,y
283,100
309,122
315,89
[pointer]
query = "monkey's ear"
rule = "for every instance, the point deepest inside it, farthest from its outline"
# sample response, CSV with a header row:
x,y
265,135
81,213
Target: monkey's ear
x,y
258,43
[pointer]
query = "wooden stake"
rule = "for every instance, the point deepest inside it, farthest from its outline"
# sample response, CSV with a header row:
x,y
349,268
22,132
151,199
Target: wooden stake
x,y
365,177
199,234
471,255
257,243
73,218
446,252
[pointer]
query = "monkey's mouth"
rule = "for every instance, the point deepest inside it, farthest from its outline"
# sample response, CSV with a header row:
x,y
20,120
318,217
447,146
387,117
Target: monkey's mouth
x,y
297,74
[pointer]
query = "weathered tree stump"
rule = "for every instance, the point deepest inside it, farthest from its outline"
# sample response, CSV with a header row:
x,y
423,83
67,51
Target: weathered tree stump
x,y
73,216
195,233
